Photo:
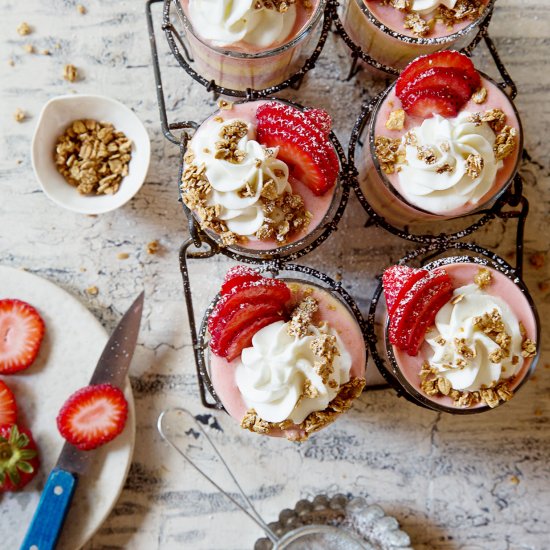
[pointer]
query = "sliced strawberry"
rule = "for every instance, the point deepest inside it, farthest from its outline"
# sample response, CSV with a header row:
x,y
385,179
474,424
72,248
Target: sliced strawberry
x,y
320,118
238,275
406,314
397,280
427,102
253,292
21,333
8,408
19,460
239,318
455,80
433,301
446,58
244,338
302,145
93,416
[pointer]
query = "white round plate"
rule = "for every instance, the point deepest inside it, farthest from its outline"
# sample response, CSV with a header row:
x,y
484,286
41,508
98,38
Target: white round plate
x,y
59,113
72,345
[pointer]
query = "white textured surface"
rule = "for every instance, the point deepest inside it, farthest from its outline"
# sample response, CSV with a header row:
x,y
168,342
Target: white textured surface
x,y
454,483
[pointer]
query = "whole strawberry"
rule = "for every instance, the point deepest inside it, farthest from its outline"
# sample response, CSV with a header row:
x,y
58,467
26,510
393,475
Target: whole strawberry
x,y
18,457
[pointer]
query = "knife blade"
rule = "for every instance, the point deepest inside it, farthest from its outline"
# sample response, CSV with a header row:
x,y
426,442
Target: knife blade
x,y
73,463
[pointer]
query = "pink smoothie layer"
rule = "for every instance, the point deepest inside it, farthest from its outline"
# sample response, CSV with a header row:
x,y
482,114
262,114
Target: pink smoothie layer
x,y
262,71
394,208
331,310
392,50
317,205
463,274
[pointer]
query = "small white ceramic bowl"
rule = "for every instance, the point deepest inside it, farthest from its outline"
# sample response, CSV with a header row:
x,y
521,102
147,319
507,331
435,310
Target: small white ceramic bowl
x,y
55,117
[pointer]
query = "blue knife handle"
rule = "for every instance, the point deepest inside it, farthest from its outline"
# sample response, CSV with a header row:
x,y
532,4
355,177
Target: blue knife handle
x,y
50,514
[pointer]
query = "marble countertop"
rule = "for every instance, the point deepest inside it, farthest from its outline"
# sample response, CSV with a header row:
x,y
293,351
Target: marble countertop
x,y
475,483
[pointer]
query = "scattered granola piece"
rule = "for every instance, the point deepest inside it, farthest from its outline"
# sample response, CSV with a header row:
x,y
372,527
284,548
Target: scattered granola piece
x,y
92,290
426,154
444,386
528,348
440,340
514,480
490,397
388,152
225,105
301,317
483,277
463,349
11,62
396,120
19,115
444,168
505,142
480,96
24,29
153,247
70,73
123,255
81,9
419,26
457,298
45,52
29,48
474,166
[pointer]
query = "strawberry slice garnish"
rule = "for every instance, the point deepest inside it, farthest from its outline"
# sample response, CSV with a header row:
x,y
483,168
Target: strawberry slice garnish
x,y
302,145
19,460
447,59
93,416
451,78
253,292
408,312
21,333
240,318
244,338
433,301
238,275
8,407
427,102
397,280
320,118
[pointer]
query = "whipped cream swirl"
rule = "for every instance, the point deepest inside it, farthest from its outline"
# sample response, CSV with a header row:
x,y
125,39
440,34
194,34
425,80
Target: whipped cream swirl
x,y
456,321
271,374
237,186
425,7
443,183
227,22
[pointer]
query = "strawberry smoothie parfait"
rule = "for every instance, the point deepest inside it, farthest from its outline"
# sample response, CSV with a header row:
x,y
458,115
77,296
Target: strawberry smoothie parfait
x,y
261,177
252,43
461,335
286,356
443,142
394,32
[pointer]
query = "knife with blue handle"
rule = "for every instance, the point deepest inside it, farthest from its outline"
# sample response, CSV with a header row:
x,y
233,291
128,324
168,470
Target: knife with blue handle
x,y
73,463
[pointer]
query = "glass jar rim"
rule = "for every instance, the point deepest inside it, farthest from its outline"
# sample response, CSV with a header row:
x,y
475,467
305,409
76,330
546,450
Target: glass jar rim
x,y
424,400
420,40
391,188
307,28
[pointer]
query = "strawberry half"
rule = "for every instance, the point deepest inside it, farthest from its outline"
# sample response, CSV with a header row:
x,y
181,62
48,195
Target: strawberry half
x,y
427,102
304,147
19,460
447,59
408,312
21,334
253,292
238,275
8,407
397,280
244,338
432,302
319,118
240,318
455,80
93,416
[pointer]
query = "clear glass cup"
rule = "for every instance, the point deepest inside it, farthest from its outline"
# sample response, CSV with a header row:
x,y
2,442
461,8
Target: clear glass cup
x,y
391,46
402,371
380,190
326,209
237,69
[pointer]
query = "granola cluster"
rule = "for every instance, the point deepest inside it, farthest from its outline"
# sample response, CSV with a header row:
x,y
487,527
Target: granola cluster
x,y
506,139
93,156
421,26
280,5
284,214
314,421
433,383
389,153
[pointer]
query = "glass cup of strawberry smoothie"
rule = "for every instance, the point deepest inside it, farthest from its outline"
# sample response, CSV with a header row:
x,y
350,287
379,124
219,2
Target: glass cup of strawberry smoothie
x,y
271,190
264,369
482,347
379,29
417,195
243,46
